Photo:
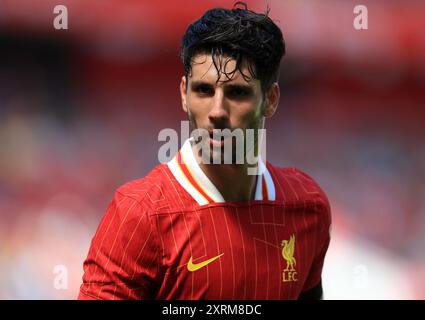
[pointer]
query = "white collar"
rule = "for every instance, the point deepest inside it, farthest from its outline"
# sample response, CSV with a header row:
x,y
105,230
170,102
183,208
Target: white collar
x,y
191,177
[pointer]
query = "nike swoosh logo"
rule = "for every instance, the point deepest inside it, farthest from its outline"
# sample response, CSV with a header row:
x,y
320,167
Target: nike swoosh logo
x,y
196,266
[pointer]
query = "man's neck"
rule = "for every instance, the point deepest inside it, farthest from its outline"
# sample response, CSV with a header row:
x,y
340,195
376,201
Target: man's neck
x,y
232,180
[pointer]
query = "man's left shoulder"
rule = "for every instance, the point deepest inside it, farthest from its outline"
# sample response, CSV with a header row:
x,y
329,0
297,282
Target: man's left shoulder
x,y
298,186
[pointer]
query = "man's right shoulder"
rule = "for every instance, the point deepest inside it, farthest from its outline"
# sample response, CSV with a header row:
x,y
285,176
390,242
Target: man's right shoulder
x,y
155,191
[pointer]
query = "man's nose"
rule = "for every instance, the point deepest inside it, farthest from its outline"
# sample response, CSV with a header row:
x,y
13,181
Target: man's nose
x,y
218,111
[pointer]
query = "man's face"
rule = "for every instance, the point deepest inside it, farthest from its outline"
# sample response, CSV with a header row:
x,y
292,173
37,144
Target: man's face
x,y
226,104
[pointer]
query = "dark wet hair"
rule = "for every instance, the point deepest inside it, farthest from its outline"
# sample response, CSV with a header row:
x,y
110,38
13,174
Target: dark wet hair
x,y
239,34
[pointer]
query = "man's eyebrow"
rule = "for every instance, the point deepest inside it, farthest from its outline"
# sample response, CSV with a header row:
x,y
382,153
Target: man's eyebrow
x,y
197,83
239,86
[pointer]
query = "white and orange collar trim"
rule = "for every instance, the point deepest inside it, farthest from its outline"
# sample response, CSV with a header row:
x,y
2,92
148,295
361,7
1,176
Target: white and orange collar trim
x,y
190,176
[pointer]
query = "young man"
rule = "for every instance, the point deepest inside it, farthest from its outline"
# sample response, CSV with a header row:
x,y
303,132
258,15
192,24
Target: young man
x,y
192,229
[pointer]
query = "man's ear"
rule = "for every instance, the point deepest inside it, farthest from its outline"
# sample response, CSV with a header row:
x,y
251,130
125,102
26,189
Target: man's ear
x,y
183,87
272,100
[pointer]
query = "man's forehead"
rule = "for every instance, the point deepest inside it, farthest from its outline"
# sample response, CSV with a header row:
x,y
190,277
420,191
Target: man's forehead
x,y
203,69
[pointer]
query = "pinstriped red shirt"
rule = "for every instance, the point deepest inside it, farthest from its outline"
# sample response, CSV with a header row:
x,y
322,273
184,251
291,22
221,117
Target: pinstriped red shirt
x,y
171,235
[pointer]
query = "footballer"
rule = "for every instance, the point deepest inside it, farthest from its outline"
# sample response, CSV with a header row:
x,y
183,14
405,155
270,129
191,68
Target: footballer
x,y
196,229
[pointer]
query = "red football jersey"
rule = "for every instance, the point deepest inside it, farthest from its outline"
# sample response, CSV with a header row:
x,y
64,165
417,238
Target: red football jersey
x,y
171,235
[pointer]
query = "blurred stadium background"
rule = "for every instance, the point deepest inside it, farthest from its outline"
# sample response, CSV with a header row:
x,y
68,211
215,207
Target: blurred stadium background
x,y
80,111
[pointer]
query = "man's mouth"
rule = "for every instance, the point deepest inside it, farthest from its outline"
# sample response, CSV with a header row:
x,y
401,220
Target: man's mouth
x,y
218,138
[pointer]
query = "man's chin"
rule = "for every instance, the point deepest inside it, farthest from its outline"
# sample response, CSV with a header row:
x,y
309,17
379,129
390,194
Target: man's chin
x,y
215,156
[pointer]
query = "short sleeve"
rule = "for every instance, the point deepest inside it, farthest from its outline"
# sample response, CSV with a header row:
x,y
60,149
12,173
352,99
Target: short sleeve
x,y
322,243
123,261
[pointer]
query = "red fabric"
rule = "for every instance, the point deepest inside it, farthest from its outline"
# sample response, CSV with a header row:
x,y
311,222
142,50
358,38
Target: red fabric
x,y
153,227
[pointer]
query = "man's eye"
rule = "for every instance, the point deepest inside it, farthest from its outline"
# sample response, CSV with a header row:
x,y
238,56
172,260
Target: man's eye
x,y
204,90
238,92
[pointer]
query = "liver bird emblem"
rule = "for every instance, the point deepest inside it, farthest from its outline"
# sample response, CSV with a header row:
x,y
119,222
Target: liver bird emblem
x,y
288,248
